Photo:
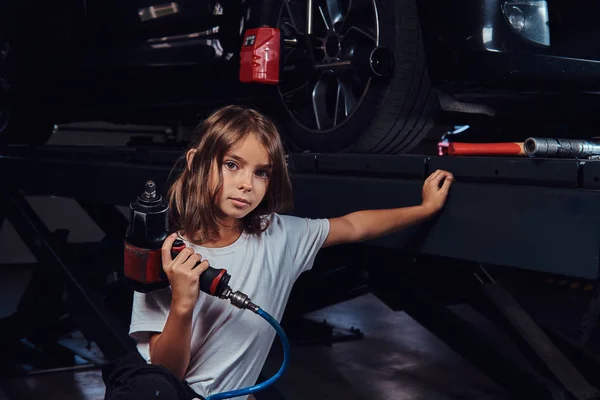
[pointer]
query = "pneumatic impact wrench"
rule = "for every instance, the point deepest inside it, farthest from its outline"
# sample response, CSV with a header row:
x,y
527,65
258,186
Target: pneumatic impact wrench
x,y
148,228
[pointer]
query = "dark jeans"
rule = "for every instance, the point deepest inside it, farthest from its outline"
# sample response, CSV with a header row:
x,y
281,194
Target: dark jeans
x,y
131,378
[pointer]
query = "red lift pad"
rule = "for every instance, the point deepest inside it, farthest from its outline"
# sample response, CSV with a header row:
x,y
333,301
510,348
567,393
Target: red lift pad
x,y
259,58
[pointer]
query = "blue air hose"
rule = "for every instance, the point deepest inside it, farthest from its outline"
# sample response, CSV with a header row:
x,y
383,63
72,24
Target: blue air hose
x,y
270,381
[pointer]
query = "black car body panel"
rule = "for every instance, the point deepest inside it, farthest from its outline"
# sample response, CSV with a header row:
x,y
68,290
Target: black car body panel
x,y
475,55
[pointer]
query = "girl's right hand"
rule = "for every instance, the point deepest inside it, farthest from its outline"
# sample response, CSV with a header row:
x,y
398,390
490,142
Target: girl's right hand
x,y
183,273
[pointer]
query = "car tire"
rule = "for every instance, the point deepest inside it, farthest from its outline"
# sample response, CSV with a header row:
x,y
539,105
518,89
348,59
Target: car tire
x,y
391,115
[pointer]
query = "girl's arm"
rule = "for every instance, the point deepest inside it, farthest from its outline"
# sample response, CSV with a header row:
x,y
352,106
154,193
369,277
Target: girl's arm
x,y
171,348
369,224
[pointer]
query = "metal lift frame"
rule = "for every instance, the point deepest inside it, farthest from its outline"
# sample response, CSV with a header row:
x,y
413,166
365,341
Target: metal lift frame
x,y
537,215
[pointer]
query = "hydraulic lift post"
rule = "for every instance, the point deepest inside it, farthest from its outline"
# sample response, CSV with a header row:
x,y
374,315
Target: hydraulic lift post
x,y
512,213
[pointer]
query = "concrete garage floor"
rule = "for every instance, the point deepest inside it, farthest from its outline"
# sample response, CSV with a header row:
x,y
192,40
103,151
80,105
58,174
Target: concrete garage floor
x,y
396,359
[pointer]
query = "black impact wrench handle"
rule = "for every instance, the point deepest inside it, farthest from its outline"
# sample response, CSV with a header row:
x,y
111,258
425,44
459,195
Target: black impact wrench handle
x,y
212,281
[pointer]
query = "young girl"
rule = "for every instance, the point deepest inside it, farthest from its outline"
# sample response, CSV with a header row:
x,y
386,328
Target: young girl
x,y
226,205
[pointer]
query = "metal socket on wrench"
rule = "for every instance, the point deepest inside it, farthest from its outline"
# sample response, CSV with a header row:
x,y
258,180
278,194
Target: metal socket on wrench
x,y
562,148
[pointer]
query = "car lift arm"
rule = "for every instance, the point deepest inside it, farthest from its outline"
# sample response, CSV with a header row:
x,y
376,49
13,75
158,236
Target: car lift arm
x,y
542,214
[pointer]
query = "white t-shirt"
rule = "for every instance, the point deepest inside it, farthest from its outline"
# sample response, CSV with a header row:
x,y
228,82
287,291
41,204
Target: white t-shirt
x,y
229,345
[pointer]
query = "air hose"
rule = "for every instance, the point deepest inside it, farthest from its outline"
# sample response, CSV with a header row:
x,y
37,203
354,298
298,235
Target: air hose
x,y
270,381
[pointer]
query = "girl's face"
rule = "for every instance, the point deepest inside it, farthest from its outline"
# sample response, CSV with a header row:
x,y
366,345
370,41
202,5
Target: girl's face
x,y
246,172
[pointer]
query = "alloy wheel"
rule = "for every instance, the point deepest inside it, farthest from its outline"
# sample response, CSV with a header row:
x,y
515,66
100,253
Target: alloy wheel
x,y
329,60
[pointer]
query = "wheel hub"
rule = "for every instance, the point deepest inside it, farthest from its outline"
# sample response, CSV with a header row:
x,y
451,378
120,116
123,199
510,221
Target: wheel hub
x,y
332,46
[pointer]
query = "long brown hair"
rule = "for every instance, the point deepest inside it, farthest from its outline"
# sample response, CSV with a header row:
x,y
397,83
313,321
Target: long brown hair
x,y
193,207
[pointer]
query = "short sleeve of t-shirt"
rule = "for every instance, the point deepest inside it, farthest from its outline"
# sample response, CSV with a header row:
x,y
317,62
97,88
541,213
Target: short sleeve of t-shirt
x,y
149,314
305,236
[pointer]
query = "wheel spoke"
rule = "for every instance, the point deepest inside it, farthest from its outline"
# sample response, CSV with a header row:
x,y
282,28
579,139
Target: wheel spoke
x,y
319,103
289,27
293,17
337,102
324,18
358,10
347,98
334,14
356,39
356,30
287,56
345,101
292,21
290,94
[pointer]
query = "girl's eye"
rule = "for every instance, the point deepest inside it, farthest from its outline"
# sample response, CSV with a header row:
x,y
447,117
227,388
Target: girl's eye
x,y
230,165
262,174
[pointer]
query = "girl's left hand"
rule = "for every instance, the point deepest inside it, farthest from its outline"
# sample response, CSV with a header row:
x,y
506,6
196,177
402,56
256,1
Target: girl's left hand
x,y
435,192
